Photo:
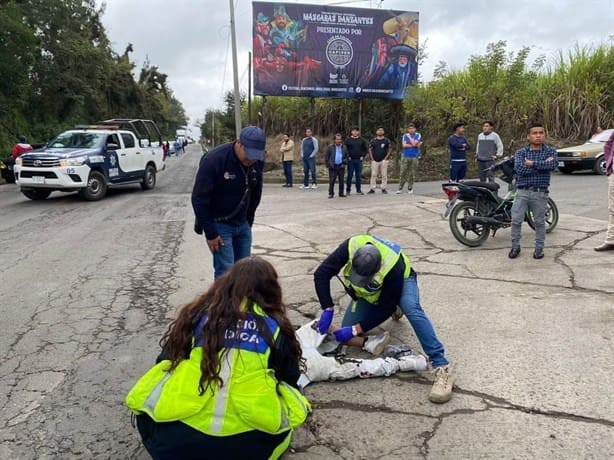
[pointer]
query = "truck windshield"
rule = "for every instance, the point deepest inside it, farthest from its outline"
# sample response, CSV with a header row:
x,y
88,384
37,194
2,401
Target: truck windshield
x,y
82,140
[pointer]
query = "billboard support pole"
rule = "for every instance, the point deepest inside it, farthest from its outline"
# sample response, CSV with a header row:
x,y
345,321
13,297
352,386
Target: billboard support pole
x,y
312,106
263,112
235,70
360,114
249,88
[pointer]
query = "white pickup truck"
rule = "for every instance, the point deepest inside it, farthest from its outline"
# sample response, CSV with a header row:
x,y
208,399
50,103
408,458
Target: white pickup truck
x,y
89,159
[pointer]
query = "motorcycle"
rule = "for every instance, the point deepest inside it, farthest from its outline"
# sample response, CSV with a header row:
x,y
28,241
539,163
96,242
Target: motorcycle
x,y
475,208
6,170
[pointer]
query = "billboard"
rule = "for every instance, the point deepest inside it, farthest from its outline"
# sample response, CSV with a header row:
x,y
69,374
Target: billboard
x,y
329,51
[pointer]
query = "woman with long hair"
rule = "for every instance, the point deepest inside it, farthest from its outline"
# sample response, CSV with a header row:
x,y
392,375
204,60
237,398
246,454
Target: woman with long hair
x,y
225,385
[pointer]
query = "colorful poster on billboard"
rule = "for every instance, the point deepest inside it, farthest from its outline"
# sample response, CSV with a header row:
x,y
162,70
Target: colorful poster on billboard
x,y
330,51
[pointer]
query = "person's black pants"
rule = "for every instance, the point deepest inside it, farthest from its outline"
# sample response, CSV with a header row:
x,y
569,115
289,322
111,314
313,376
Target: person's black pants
x,y
178,441
333,174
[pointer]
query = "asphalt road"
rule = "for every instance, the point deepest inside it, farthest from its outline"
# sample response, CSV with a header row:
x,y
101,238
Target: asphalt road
x,y
86,285
89,288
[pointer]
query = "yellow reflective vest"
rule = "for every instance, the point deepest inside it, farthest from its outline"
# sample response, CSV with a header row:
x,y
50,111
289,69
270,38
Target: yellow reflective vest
x,y
390,252
251,398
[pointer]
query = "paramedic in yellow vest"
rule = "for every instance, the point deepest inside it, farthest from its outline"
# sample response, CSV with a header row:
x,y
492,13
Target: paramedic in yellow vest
x,y
214,392
379,277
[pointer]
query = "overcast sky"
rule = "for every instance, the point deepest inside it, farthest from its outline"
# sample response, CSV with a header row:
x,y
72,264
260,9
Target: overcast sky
x,y
189,40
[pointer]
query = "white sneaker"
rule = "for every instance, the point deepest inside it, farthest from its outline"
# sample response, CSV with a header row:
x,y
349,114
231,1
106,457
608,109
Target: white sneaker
x,y
314,186
441,391
375,344
410,191
398,192
304,186
413,363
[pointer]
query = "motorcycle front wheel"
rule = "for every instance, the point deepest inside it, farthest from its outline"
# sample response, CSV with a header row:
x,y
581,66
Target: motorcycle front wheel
x,y
469,234
552,216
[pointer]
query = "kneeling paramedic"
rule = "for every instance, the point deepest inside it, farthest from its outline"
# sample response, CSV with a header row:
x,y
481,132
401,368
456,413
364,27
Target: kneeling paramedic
x,y
379,277
226,382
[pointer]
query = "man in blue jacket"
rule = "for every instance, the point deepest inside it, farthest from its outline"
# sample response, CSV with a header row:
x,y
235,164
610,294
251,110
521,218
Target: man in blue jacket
x,y
459,146
225,196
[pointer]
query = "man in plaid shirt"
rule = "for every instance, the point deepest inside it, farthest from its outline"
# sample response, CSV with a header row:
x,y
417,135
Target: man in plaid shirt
x,y
534,164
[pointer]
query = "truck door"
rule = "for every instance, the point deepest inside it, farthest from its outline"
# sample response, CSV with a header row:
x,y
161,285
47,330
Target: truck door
x,y
119,162
134,153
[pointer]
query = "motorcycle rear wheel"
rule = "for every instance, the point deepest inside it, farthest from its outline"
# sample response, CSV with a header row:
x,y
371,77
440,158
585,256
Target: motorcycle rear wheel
x,y
471,235
552,216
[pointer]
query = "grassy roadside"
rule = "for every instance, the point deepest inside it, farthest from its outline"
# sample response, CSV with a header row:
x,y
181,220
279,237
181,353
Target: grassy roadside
x,y
434,165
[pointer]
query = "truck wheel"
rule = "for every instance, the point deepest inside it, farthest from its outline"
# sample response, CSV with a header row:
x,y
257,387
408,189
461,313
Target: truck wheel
x,y
36,194
149,179
96,188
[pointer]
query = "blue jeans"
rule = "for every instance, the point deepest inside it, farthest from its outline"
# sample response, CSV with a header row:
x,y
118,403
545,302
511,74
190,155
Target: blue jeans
x,y
458,170
410,304
354,168
288,172
309,166
237,245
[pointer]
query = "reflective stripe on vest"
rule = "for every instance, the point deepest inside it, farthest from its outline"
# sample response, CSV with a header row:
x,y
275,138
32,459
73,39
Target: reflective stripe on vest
x,y
154,396
221,398
390,253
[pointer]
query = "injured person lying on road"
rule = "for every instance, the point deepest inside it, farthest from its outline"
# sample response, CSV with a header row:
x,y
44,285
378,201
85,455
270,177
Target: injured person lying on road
x,y
319,367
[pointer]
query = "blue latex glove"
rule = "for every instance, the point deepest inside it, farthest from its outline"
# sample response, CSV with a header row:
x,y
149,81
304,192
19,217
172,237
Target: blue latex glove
x,y
325,320
344,334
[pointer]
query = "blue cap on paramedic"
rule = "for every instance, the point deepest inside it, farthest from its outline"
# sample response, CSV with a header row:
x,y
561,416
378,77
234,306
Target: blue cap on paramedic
x,y
253,140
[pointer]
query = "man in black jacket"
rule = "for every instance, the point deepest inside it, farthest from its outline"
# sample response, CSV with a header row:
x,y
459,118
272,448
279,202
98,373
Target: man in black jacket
x,y
358,149
226,193
337,157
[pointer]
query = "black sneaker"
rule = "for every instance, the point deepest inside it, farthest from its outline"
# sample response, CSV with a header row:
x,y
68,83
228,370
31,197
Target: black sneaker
x,y
331,196
384,191
342,196
538,253
347,192
514,252
360,193
371,191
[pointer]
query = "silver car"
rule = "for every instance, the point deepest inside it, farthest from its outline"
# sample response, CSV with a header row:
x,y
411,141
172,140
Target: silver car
x,y
586,156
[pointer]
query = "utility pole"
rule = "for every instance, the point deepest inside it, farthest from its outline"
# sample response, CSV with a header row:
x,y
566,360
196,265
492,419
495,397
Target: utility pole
x,y
213,128
249,89
235,70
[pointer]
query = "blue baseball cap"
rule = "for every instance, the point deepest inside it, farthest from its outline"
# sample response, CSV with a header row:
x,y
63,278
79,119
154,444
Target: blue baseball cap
x,y
253,140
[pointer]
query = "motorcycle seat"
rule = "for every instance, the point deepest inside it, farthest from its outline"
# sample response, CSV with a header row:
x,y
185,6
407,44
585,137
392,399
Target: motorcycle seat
x,y
489,185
